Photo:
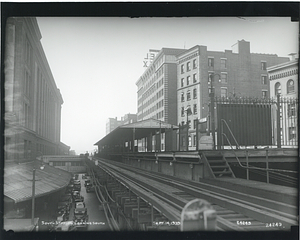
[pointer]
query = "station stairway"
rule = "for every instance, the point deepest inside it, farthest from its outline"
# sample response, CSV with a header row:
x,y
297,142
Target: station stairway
x,y
217,165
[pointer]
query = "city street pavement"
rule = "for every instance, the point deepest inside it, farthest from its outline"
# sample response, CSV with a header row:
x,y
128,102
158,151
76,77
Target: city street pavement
x,y
97,217
97,220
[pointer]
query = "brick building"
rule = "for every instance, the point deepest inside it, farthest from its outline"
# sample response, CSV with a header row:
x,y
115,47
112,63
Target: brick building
x,y
233,73
32,100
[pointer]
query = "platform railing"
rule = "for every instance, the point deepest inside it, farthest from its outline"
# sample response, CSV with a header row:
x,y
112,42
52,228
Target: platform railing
x,y
267,169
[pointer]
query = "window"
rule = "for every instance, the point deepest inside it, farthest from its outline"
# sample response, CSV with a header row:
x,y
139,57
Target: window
x,y
195,109
182,82
28,52
194,93
263,65
188,96
195,123
188,66
277,89
290,86
210,75
182,68
27,83
223,77
223,92
189,123
292,133
291,109
182,97
190,141
182,111
195,140
188,80
195,63
210,62
223,63
264,80
264,93
195,77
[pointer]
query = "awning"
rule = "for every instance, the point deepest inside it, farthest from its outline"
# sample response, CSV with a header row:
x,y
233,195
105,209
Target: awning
x,y
139,130
18,180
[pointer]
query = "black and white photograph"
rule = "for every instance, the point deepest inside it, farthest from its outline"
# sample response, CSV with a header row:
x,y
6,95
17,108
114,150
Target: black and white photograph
x,y
153,123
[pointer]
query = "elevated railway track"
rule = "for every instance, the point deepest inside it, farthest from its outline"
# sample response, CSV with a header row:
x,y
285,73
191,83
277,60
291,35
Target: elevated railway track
x,y
154,201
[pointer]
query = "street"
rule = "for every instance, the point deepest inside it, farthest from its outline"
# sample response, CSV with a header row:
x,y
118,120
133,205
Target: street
x,y
97,220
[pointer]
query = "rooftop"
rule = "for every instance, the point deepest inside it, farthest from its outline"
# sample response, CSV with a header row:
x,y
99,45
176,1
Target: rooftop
x,y
18,180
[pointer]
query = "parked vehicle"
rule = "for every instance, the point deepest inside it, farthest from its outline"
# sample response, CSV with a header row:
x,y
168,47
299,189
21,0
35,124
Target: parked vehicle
x,y
87,181
78,198
81,218
76,182
79,205
77,187
90,187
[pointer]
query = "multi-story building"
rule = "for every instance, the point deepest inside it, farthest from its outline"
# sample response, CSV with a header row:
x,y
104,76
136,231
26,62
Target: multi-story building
x,y
112,123
232,73
284,88
129,118
157,88
32,100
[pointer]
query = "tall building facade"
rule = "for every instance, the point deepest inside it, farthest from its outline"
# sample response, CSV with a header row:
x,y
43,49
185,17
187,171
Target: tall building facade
x,y
32,100
156,94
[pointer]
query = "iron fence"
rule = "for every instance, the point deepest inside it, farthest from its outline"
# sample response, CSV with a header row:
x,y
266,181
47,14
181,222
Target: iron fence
x,y
257,122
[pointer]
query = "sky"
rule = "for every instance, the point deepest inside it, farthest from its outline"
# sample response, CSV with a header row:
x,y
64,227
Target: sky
x,y
97,61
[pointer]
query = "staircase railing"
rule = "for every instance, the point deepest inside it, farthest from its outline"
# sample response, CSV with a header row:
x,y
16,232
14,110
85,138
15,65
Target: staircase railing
x,y
267,169
202,156
232,135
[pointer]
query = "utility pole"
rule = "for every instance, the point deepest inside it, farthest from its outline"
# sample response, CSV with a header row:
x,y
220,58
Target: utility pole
x,y
212,108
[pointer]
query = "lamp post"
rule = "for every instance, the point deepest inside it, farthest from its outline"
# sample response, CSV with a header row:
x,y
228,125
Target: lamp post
x,y
212,106
188,111
33,194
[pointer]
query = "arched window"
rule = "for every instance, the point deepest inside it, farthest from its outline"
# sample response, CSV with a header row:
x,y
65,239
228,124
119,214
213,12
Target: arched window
x,y
290,86
277,89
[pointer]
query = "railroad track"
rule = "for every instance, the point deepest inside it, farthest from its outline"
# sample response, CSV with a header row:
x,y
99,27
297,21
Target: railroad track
x,y
235,211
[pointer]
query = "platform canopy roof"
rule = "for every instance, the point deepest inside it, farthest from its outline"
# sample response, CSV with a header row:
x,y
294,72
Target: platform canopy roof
x,y
139,130
18,180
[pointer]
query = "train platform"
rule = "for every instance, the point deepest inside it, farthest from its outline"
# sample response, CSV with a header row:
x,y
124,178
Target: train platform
x,y
279,193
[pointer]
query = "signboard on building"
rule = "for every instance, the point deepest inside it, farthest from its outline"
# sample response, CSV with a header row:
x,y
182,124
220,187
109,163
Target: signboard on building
x,y
150,57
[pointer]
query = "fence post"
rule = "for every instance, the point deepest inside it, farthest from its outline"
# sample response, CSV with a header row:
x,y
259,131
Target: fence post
x,y
247,162
197,134
267,165
278,123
